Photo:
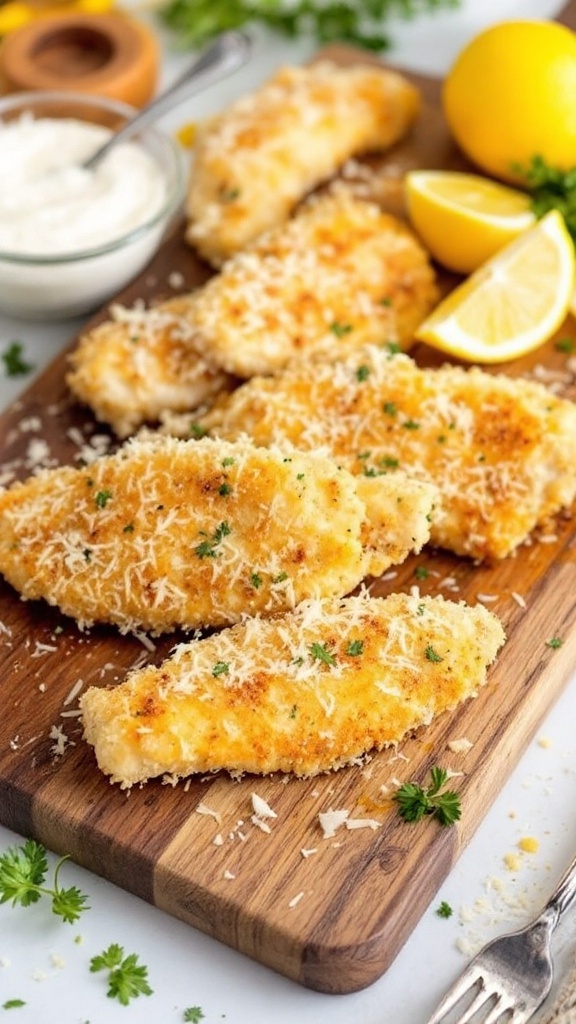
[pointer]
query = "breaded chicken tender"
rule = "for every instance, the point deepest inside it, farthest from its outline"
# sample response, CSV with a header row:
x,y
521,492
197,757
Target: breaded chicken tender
x,y
502,452
338,276
168,533
254,162
140,363
304,692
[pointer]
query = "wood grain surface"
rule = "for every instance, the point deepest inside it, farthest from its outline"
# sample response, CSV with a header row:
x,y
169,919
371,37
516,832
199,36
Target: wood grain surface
x,y
333,920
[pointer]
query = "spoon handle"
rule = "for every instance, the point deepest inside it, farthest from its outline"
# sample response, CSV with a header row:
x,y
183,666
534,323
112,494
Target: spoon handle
x,y
228,52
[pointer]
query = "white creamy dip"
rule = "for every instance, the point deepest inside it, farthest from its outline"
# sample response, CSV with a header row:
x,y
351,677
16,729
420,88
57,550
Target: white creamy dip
x,y
49,205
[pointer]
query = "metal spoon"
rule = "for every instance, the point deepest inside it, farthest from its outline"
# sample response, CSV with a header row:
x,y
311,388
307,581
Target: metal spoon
x,y
227,53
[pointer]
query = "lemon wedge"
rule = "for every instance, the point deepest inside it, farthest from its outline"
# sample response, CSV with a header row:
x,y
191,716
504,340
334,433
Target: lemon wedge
x,y
513,303
464,219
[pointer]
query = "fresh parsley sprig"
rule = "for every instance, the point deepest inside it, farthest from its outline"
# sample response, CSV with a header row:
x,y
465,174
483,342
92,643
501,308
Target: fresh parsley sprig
x,y
551,189
127,979
195,22
23,871
415,802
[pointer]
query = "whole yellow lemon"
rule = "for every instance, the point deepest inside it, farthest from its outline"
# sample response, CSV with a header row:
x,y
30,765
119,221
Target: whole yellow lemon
x,y
511,95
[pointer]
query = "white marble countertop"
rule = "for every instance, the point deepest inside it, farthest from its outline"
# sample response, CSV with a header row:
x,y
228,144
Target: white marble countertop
x,y
45,963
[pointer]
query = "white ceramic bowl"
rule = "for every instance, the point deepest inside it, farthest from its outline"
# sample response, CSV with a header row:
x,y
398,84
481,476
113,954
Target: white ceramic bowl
x,y
71,284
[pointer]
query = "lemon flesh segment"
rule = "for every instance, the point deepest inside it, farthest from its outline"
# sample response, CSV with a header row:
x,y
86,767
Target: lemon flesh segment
x,y
464,219
513,303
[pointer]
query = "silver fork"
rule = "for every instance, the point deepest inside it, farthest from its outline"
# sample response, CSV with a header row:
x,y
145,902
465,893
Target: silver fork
x,y
512,975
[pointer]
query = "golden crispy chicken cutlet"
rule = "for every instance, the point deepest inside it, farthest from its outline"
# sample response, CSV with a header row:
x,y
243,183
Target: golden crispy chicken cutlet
x,y
140,363
168,533
502,452
304,692
254,162
338,276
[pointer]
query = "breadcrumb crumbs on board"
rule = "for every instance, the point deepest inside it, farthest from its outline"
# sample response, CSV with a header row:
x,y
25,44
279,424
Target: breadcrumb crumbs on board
x,y
460,746
529,844
296,899
545,742
202,808
261,808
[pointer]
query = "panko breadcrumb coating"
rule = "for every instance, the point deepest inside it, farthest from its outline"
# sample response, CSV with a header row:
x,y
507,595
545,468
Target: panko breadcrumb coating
x,y
304,692
338,276
168,533
501,451
254,162
140,363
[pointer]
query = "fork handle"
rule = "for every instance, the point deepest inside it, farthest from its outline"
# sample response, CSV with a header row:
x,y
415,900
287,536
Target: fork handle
x,y
564,893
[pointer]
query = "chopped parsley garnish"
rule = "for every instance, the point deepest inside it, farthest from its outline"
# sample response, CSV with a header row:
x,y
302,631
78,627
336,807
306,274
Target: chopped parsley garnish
x,y
444,910
551,189
221,668
555,642
256,580
362,373
421,609
102,498
228,461
23,871
228,195
411,425
415,802
12,1004
432,655
386,302
340,330
293,711
14,363
197,430
129,528
355,647
390,408
389,462
421,572
280,578
127,979
192,1015
393,348
321,653
224,490
207,548
565,345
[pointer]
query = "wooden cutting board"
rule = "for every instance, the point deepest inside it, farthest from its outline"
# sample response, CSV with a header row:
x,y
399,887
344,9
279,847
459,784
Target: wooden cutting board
x,y
332,920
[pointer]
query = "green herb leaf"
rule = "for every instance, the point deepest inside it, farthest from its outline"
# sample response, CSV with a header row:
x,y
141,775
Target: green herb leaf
x,y
551,189
192,1015
355,647
23,871
221,668
415,802
12,1004
444,910
207,548
102,498
321,653
127,979
555,642
14,363
432,655
340,330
